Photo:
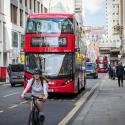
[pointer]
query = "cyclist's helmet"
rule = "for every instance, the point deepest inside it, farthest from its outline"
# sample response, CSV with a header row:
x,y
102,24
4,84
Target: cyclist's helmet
x,y
37,71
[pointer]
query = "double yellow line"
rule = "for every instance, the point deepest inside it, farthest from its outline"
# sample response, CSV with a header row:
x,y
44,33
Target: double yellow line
x,y
78,104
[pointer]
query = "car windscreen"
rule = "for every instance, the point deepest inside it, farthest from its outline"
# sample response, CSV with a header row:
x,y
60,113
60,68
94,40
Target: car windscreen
x,y
17,68
89,67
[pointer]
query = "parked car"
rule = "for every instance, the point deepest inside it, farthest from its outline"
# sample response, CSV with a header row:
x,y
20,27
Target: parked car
x,y
91,70
16,74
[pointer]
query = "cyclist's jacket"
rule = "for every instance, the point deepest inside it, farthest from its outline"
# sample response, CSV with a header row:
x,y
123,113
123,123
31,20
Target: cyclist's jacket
x,y
38,88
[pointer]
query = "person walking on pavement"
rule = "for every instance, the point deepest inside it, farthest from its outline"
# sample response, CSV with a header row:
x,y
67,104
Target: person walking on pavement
x,y
120,74
110,71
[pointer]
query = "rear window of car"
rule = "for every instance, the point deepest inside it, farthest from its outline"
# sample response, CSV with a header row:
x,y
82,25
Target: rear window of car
x,y
17,68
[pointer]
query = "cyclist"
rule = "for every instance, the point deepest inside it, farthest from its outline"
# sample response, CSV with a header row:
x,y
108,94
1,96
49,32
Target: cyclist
x,y
39,89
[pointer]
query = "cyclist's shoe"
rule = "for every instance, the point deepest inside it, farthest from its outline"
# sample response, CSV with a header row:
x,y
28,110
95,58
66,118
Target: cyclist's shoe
x,y
42,118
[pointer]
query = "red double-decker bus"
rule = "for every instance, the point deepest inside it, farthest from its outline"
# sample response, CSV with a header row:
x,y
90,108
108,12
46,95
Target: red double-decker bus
x,y
52,43
102,64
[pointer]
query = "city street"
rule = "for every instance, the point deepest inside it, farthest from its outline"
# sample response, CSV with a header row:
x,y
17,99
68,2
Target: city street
x,y
60,44
13,111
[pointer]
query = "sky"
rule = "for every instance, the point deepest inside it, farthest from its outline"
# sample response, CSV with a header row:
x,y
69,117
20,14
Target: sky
x,y
66,3
94,12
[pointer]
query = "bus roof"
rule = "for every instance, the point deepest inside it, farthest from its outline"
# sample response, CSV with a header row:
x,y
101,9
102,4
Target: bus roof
x,y
52,15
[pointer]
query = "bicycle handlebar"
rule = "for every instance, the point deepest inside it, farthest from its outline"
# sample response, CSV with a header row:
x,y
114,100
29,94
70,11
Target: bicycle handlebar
x,y
33,98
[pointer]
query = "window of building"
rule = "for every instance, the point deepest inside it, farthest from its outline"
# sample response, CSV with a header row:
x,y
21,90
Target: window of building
x,y
38,5
34,5
41,8
13,14
21,17
22,42
26,14
21,1
26,3
30,3
0,6
14,39
45,9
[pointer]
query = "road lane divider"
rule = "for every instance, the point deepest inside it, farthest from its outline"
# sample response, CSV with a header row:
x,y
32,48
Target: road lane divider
x,y
14,93
78,104
6,84
1,111
14,106
23,102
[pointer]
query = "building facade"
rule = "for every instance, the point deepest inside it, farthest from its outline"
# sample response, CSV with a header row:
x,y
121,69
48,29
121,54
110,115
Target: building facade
x,y
122,2
13,16
113,21
3,40
78,9
95,39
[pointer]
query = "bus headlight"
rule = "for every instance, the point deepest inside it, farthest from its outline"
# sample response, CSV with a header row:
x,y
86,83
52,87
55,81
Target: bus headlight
x,y
67,82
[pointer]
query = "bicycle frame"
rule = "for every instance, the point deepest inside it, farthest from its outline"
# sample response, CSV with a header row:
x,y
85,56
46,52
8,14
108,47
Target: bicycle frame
x,y
34,114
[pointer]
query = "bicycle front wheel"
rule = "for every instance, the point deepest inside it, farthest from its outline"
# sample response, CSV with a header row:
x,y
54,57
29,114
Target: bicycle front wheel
x,y
31,120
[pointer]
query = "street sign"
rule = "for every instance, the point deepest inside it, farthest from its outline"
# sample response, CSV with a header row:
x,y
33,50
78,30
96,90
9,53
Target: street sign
x,y
22,58
79,57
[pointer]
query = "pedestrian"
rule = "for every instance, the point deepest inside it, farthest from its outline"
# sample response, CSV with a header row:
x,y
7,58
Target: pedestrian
x,y
120,74
39,89
110,69
114,72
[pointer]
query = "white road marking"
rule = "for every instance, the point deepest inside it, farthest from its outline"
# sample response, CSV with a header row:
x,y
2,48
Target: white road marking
x,y
10,94
78,104
1,111
14,106
6,84
23,102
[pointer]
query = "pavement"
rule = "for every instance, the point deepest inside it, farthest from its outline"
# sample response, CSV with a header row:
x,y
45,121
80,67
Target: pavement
x,y
105,107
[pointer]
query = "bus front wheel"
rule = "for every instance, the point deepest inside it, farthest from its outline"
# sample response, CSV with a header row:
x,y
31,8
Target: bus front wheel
x,y
12,84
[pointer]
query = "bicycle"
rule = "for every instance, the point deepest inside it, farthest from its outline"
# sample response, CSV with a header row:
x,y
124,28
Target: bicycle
x,y
34,114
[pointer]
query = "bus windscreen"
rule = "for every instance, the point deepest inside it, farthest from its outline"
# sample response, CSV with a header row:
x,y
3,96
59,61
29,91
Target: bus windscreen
x,y
52,65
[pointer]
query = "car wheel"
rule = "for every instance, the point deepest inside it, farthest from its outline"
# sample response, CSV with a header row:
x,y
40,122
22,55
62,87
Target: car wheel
x,y
84,84
78,85
12,84
94,76
97,76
